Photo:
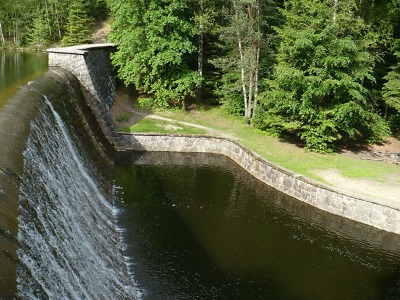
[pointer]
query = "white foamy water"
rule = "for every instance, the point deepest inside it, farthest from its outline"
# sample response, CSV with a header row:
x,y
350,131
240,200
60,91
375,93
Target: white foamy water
x,y
69,244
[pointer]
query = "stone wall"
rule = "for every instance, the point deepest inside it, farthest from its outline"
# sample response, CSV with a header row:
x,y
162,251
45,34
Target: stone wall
x,y
325,198
91,64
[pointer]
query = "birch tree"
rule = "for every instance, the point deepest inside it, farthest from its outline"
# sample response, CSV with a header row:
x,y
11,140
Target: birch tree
x,y
243,40
3,40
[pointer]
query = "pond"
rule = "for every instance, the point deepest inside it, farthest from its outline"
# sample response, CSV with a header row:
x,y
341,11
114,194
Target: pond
x,y
17,68
199,227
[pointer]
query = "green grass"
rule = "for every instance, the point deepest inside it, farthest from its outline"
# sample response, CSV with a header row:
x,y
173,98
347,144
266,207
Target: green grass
x,y
125,117
287,155
149,125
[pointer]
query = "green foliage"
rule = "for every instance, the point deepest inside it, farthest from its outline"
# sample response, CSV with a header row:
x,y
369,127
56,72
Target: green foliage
x,y
79,25
391,89
322,73
125,117
155,48
39,35
159,126
319,91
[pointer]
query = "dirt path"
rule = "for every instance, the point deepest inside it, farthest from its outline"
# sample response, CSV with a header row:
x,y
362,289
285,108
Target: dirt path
x,y
387,193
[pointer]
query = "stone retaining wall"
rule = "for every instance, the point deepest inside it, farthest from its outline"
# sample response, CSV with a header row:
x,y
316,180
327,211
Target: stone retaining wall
x,y
303,189
91,64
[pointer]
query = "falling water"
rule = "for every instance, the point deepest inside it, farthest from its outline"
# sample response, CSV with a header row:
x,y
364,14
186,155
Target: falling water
x,y
68,245
69,242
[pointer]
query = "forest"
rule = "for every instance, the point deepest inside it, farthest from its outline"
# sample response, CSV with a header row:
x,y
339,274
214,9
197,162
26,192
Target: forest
x,y
324,72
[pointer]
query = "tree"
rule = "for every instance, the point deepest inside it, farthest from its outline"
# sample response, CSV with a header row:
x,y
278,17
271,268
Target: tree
x,y
39,34
391,88
319,92
78,25
155,49
246,39
240,66
3,40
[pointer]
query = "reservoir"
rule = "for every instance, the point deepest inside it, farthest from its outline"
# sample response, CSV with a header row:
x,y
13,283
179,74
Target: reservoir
x,y
17,68
199,227
79,223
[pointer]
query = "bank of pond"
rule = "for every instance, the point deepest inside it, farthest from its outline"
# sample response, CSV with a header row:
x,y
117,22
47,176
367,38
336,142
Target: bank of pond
x,y
78,222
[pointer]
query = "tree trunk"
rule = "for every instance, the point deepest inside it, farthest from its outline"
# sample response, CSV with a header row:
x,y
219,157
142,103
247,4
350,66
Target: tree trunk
x,y
242,75
3,40
256,82
335,5
257,63
47,17
58,17
200,54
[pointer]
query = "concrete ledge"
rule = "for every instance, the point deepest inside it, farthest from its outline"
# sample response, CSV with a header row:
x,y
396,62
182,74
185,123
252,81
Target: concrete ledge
x,y
349,206
80,49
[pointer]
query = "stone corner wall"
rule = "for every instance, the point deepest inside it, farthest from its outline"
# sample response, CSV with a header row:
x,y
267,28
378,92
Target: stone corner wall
x,y
303,189
91,65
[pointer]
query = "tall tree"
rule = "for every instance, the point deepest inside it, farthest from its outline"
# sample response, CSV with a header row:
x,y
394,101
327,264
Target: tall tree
x,y
207,14
40,34
78,25
246,33
391,87
156,48
319,91
3,40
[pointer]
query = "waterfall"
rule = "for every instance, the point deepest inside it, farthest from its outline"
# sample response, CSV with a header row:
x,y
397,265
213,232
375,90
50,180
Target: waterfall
x,y
68,244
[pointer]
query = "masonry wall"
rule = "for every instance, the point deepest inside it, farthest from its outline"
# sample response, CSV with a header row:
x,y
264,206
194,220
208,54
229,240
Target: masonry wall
x,y
325,198
91,64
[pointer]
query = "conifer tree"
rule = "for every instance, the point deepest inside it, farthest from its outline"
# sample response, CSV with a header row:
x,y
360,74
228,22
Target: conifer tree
x,y
391,89
39,35
78,24
319,90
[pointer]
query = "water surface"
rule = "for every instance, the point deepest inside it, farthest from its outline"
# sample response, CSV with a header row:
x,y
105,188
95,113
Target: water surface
x,y
199,227
18,68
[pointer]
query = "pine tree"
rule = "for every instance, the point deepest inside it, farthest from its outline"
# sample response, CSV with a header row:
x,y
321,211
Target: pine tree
x,y
319,92
391,89
78,24
39,35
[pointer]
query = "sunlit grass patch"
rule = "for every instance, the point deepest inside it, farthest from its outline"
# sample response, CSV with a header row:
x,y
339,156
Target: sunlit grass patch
x,y
149,125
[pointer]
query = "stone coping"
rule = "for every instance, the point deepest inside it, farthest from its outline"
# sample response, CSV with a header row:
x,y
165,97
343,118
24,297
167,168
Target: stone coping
x,y
80,49
332,200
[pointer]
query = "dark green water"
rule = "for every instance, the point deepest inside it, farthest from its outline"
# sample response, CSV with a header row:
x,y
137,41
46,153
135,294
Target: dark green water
x,y
198,227
17,68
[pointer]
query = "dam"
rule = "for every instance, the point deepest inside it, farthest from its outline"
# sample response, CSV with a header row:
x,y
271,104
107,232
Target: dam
x,y
82,219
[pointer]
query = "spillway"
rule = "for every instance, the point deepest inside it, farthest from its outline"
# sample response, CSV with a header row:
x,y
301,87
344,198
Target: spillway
x,y
58,228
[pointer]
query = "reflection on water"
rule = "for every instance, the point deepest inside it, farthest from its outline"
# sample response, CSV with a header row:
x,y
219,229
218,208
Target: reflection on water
x,y
18,68
199,227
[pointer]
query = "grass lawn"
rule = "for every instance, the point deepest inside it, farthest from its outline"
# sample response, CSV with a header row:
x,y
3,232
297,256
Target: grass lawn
x,y
149,125
282,153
